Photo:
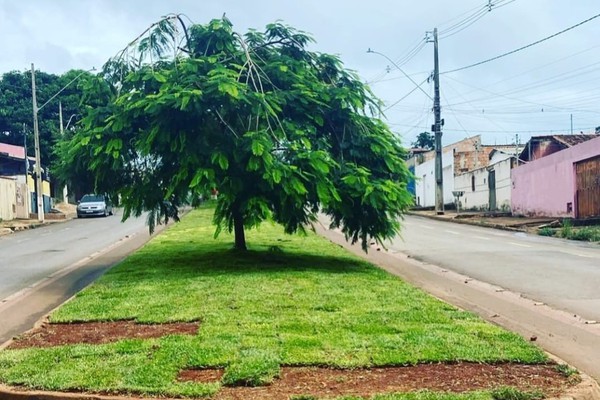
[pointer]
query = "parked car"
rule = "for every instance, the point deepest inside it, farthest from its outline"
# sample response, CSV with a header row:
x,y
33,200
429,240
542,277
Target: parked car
x,y
94,204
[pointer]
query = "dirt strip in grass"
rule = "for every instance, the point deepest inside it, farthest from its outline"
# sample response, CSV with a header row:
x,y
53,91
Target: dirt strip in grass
x,y
50,335
331,383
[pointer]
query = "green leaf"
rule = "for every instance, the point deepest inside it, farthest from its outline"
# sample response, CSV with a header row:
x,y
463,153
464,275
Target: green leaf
x,y
160,78
323,192
184,102
276,175
230,89
257,148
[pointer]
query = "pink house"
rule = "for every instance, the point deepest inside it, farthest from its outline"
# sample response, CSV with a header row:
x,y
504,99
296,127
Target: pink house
x,y
563,184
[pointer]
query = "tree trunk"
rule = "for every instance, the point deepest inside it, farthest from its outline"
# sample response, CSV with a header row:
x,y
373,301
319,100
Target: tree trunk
x,y
238,228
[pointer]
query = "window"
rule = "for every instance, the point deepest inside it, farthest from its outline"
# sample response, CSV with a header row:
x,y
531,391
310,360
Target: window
x,y
473,183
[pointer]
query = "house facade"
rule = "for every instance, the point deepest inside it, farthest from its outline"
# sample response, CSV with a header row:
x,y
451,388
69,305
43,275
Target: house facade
x,y
487,187
565,183
480,172
18,198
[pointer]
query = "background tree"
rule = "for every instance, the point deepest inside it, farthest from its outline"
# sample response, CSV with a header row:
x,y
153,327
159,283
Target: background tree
x,y
16,108
281,131
425,140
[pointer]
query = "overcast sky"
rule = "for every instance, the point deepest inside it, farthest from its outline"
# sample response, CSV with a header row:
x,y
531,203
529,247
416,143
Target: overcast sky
x,y
534,91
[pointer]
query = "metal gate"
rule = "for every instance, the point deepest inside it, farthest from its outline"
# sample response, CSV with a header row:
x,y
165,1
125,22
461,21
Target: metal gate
x,y
492,189
588,188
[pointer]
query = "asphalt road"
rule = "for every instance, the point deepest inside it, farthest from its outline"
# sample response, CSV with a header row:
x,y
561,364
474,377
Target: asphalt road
x,y
563,274
41,268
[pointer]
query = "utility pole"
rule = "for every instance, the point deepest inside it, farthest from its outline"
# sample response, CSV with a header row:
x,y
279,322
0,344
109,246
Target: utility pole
x,y
62,133
571,124
38,161
437,130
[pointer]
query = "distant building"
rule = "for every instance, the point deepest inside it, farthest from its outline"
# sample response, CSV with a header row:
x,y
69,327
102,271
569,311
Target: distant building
x,y
561,179
489,186
15,168
542,146
467,167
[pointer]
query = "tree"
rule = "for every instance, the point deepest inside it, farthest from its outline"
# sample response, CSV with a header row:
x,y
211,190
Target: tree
x,y
16,115
281,131
425,140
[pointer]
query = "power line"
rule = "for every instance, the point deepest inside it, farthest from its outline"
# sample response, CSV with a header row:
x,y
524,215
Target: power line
x,y
584,129
401,70
406,95
408,55
470,20
522,48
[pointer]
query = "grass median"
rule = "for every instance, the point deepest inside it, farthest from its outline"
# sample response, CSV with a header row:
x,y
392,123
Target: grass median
x,y
290,300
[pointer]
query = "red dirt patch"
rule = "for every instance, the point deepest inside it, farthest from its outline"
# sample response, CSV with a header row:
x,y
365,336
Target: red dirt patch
x,y
326,382
49,335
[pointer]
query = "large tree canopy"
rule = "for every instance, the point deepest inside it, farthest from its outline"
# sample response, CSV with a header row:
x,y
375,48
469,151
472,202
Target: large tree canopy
x,y
282,132
16,115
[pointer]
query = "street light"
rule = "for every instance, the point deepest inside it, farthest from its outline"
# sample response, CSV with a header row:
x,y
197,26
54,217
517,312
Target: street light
x,y
36,135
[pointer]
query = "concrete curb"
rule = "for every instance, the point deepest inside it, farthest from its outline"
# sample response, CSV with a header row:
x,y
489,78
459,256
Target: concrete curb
x,y
587,389
465,221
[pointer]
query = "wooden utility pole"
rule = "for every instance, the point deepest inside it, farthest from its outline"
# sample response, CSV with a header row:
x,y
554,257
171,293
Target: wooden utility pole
x,y
437,130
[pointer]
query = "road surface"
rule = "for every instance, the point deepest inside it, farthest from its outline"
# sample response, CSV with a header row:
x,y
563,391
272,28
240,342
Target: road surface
x,y
40,268
561,273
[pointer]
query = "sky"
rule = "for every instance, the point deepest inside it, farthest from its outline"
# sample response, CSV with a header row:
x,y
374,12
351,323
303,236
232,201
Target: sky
x,y
536,91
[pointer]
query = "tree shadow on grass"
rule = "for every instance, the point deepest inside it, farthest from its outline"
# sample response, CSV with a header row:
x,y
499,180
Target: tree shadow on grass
x,y
204,262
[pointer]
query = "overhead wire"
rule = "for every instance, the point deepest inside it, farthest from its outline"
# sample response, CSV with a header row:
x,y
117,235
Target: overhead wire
x,y
406,95
534,85
414,50
521,48
473,18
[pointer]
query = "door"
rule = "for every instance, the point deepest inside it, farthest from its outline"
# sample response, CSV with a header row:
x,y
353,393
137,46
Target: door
x,y
587,188
492,189
22,197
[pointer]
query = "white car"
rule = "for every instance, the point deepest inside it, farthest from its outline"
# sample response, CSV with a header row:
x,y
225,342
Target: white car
x,y
94,204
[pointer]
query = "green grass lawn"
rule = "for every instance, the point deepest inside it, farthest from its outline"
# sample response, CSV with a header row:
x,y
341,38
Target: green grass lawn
x,y
290,300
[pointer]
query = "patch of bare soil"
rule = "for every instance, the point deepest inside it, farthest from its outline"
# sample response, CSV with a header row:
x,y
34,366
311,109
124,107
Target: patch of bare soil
x,y
326,382
49,335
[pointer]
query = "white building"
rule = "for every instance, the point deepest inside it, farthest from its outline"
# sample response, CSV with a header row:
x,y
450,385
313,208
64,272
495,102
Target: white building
x,y
489,187
455,157
425,180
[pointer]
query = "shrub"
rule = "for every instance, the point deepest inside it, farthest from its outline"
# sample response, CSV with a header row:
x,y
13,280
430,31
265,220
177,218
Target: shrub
x,y
589,234
567,229
546,231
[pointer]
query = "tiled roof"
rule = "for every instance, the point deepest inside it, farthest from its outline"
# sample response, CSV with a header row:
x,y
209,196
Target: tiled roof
x,y
572,140
12,150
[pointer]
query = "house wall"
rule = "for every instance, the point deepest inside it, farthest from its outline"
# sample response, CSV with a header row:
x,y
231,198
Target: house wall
x,y
546,187
540,149
8,197
478,197
425,181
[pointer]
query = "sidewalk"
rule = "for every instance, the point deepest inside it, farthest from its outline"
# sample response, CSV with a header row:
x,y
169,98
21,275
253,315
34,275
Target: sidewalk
x,y
502,221
62,212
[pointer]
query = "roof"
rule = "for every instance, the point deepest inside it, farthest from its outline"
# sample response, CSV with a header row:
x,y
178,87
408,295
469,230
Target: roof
x,y
510,150
12,151
573,140
565,141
